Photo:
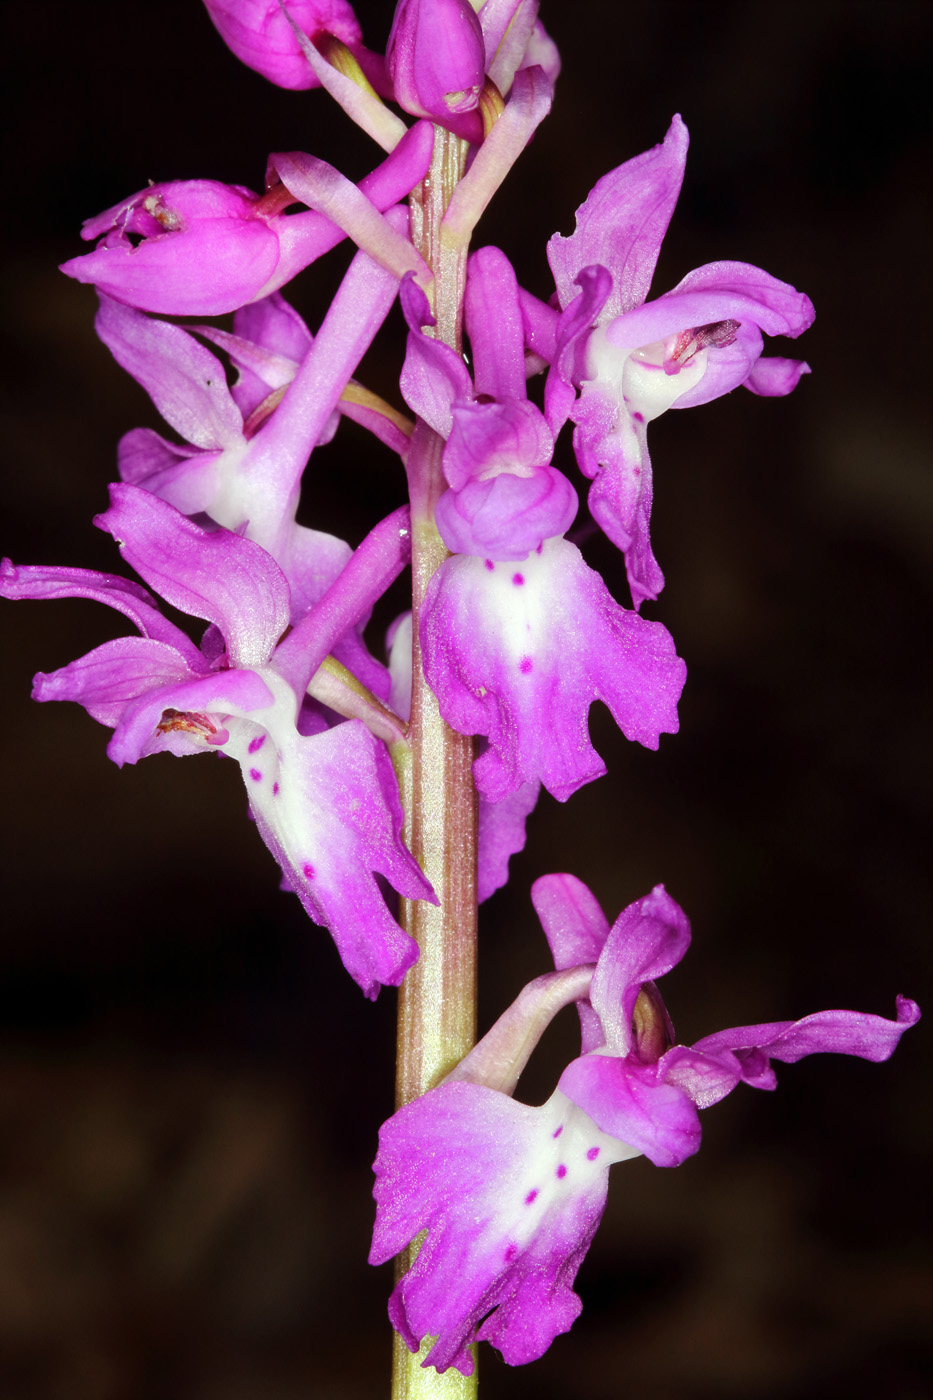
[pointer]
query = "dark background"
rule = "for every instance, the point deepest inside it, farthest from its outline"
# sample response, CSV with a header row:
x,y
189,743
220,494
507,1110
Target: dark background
x,y
190,1087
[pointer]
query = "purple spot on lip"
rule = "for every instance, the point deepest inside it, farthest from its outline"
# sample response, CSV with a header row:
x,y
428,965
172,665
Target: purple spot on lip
x,y
275,789
592,1154
518,580
308,871
557,1131
531,1196
510,1253
525,665
490,565
639,417
561,1171
256,744
255,775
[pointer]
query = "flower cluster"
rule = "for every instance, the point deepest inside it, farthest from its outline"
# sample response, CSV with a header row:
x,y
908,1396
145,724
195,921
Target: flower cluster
x,y
515,633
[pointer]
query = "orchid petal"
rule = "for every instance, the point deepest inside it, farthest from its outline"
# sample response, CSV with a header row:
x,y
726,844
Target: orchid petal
x,y
716,292
184,476
41,582
646,940
576,930
497,341
627,1101
436,59
488,438
506,517
107,679
184,380
621,224
772,375
835,1032
217,575
433,376
261,37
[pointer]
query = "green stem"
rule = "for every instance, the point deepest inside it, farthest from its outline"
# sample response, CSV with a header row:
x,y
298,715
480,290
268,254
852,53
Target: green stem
x,y
437,1001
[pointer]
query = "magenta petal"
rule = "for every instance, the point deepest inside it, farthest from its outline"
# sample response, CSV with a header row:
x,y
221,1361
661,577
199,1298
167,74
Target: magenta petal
x,y
570,365
708,1076
186,477
627,1101
519,653
261,37
38,582
433,375
716,292
507,517
574,924
259,369
501,834
275,325
216,575
576,930
773,375
494,323
539,325
612,447
488,438
646,940
836,1032
108,678
510,1197
622,223
184,380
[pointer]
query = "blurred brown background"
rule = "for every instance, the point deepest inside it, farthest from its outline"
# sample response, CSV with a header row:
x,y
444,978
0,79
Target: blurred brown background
x,y
190,1088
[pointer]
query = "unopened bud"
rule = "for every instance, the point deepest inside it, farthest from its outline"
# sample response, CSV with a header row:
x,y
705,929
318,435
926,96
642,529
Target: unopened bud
x,y
436,58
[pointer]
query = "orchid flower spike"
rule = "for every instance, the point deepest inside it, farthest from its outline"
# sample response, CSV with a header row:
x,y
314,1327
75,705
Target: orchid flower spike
x,y
618,361
509,1195
325,799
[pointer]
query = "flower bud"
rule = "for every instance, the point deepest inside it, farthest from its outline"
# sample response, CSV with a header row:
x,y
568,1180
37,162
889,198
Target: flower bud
x,y
436,58
258,32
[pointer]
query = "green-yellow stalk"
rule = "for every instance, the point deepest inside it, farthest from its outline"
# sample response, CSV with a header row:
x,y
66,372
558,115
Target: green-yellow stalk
x,y
437,1001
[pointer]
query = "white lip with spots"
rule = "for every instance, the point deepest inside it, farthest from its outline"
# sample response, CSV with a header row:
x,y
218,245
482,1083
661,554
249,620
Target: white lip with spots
x,y
570,1164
